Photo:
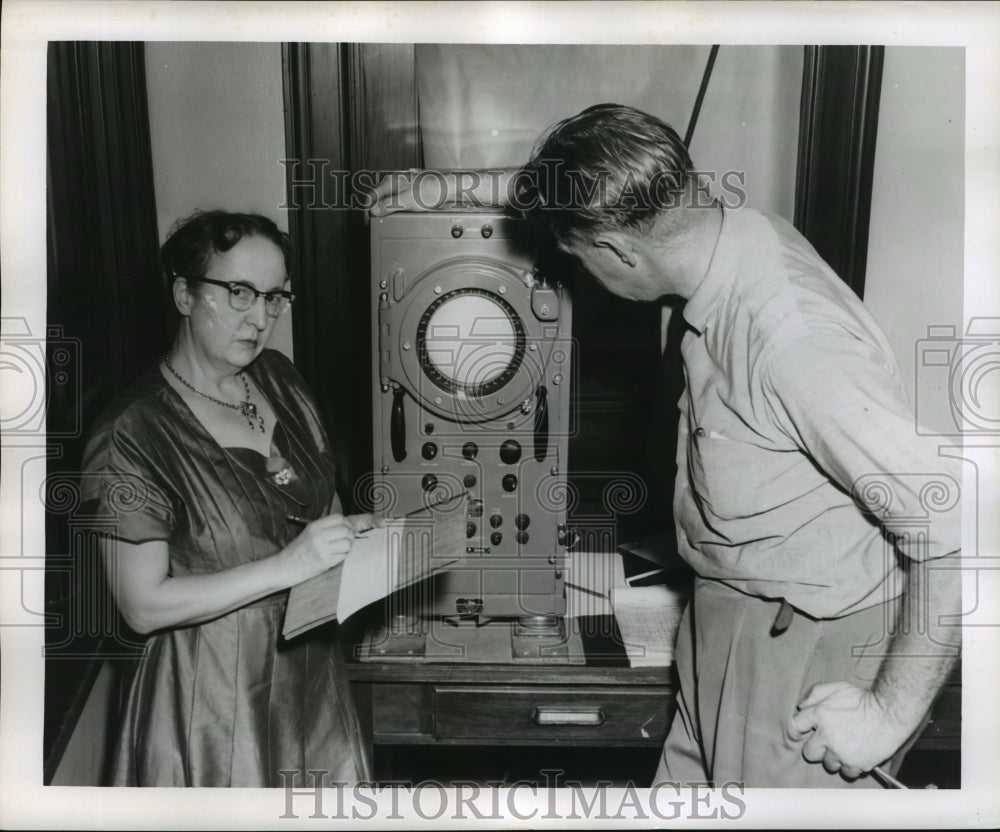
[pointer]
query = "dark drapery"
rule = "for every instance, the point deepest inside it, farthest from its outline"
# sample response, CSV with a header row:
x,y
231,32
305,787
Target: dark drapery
x,y
107,321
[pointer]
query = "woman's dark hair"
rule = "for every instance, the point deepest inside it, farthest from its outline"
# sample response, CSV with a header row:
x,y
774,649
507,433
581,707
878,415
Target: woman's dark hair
x,y
195,240
610,166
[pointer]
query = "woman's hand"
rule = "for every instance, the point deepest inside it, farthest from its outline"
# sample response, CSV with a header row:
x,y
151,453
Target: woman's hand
x,y
365,522
151,599
321,545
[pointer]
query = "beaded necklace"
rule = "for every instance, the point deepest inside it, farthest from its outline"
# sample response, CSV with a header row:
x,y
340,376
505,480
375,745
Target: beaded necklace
x,y
247,408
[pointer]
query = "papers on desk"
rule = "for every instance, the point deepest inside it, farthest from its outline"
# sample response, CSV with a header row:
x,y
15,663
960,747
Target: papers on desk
x,y
589,578
648,618
380,562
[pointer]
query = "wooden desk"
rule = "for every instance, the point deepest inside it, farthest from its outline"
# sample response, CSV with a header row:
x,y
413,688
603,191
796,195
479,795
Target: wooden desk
x,y
513,705
489,699
601,704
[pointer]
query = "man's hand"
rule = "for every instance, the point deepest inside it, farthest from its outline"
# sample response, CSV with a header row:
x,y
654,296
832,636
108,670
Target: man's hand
x,y
851,731
429,190
395,193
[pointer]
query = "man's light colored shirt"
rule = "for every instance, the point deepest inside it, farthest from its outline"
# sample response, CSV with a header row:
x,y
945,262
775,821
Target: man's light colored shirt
x,y
797,447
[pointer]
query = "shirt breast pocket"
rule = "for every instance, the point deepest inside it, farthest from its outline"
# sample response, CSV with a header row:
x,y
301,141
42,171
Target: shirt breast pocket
x,y
725,474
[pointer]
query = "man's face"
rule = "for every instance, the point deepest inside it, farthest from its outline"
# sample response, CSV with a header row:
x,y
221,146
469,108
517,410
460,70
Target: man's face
x,y
617,266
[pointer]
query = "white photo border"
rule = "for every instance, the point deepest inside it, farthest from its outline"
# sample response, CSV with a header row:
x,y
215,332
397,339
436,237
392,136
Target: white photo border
x,y
27,27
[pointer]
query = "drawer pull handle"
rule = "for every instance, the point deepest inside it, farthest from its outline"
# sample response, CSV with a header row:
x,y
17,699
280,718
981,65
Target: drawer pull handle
x,y
567,716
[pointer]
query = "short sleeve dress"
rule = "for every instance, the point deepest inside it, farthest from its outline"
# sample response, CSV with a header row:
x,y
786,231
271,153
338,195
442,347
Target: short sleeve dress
x,y
227,702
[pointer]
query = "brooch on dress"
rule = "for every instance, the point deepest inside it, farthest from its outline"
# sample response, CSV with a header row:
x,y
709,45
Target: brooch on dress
x,y
280,470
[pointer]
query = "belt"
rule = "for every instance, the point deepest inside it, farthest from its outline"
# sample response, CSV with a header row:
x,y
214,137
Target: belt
x,y
786,612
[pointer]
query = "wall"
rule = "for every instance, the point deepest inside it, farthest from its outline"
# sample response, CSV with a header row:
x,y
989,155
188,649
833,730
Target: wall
x,y
916,242
216,115
485,105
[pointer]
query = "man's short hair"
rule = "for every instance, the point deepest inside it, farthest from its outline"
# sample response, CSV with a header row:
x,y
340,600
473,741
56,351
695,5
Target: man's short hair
x,y
610,166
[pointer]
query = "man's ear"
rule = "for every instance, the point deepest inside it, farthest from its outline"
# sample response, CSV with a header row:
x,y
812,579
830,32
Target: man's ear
x,y
183,297
618,245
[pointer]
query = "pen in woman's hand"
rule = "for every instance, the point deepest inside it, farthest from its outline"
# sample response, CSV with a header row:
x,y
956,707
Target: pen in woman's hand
x,y
301,521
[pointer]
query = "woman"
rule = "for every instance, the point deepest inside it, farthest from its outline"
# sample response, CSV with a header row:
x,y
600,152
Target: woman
x,y
202,462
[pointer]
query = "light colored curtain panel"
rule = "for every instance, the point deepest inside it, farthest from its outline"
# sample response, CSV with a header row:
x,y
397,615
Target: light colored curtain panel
x,y
485,105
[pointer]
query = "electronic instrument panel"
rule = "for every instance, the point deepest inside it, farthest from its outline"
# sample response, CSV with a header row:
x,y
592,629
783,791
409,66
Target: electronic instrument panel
x,y
471,396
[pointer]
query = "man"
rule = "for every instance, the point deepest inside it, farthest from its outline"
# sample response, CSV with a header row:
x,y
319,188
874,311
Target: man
x,y
814,644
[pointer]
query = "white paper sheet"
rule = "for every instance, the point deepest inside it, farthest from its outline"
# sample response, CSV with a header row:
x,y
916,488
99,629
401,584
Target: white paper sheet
x,y
648,618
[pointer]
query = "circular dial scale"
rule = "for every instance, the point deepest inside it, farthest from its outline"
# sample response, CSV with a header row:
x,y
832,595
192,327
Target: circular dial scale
x,y
470,342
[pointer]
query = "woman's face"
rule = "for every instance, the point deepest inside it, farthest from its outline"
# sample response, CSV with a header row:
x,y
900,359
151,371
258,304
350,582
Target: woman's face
x,y
226,335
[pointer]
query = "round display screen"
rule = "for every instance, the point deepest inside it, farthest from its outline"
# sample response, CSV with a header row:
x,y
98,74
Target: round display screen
x,y
470,341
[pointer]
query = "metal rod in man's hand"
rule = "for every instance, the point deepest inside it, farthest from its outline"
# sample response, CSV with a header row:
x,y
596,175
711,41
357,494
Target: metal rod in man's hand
x,y
887,778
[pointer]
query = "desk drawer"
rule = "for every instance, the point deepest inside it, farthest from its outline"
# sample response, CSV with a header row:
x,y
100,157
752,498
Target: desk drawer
x,y
598,714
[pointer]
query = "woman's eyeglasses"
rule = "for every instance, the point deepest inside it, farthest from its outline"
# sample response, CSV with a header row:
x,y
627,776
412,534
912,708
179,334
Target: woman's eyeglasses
x,y
242,296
